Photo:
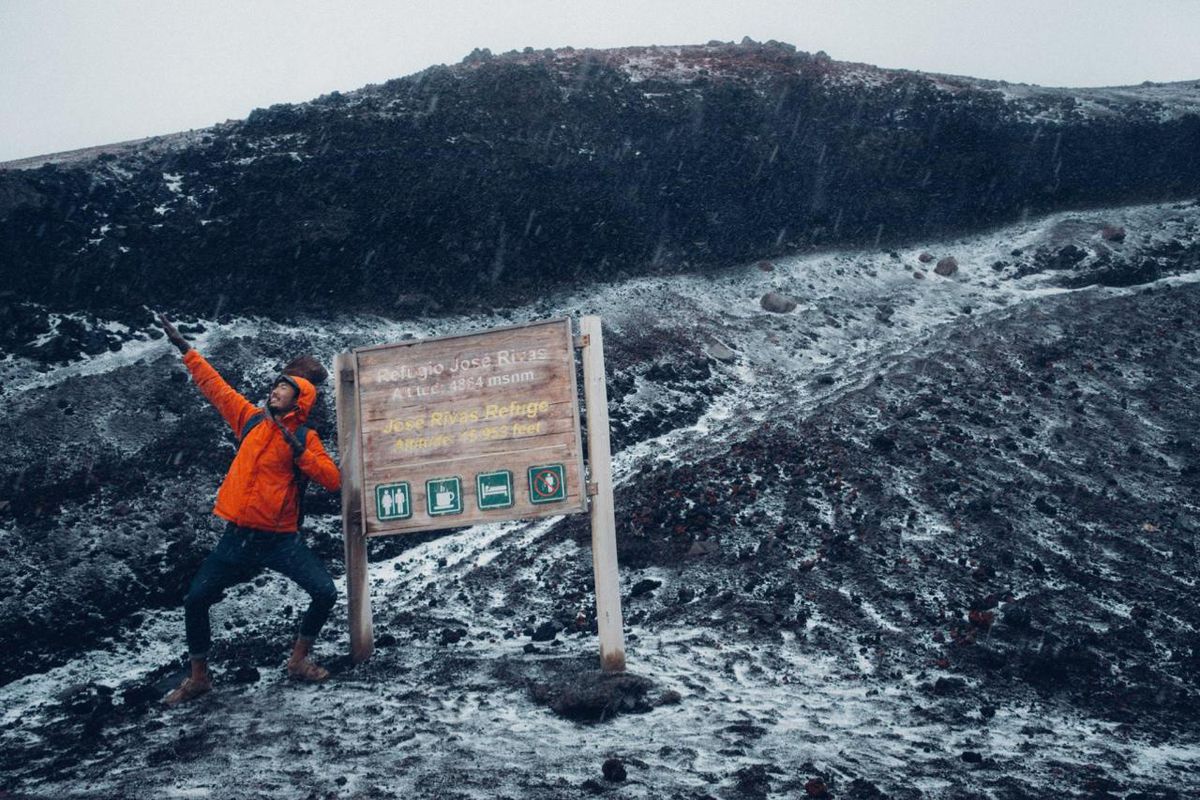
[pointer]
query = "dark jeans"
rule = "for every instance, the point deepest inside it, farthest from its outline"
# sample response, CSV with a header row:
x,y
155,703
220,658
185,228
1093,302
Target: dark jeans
x,y
243,553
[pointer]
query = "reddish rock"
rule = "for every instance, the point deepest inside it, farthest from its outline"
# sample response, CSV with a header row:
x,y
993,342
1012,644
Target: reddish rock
x,y
982,619
925,258
815,787
1113,233
918,274
946,266
766,266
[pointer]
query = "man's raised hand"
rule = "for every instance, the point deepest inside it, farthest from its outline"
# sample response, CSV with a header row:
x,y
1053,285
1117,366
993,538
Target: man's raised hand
x,y
173,335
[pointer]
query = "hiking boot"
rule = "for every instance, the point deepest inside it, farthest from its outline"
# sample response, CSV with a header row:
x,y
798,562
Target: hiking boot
x,y
306,671
188,690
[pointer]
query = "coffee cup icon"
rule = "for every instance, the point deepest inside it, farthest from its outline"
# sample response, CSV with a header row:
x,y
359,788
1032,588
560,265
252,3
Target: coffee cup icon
x,y
443,496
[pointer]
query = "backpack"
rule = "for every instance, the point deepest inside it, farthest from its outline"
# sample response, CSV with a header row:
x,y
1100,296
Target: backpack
x,y
302,480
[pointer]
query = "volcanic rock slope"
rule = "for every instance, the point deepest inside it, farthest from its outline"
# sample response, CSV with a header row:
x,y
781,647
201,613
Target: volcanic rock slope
x,y
923,536
486,180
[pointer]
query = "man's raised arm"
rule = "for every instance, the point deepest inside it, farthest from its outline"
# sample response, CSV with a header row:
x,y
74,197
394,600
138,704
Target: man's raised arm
x,y
234,408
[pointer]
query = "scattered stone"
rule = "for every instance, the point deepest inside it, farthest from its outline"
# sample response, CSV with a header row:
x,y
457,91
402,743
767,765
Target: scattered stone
x,y
596,696
1045,505
918,274
704,548
85,699
244,673
925,257
753,781
454,635
140,695
720,352
530,648
545,632
883,443
860,789
946,685
1113,233
815,787
766,266
981,619
747,729
592,786
385,640
946,266
644,586
614,770
777,303
971,757
1066,258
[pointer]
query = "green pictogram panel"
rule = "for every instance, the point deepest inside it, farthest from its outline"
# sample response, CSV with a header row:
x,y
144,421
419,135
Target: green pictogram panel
x,y
443,496
547,484
494,489
393,501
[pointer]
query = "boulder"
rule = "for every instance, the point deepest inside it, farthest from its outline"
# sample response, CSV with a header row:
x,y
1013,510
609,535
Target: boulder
x,y
1113,233
614,770
946,266
597,696
925,258
777,303
720,352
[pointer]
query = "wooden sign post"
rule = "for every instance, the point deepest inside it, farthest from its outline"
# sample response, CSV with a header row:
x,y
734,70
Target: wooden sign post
x,y
604,525
475,428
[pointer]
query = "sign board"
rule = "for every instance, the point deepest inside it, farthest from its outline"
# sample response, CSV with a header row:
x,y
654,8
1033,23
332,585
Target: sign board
x,y
474,428
471,428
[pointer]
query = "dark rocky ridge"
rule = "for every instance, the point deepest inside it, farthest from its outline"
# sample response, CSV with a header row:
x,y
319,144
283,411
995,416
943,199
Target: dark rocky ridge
x,y
486,181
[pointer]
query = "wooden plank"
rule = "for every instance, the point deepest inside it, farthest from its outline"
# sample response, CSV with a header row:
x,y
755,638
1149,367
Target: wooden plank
x,y
461,406
358,598
604,528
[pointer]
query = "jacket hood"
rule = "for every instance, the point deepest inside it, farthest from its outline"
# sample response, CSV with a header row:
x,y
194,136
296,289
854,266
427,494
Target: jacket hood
x,y
306,397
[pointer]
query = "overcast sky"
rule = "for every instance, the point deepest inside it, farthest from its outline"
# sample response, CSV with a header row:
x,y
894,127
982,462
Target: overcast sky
x,y
81,73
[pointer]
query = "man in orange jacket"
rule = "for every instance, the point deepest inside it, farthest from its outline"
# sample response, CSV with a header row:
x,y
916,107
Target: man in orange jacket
x,y
259,499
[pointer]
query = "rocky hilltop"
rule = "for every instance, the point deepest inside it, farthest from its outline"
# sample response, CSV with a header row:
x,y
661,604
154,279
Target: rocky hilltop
x,y
488,180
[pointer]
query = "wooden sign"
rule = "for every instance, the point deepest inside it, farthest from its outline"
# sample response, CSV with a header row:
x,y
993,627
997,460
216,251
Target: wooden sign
x,y
471,428
474,428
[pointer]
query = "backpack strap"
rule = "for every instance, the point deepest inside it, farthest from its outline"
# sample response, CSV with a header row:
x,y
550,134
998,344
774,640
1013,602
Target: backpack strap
x,y
302,480
255,418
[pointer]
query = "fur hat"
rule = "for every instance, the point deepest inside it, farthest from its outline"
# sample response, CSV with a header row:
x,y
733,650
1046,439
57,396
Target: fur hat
x,y
307,367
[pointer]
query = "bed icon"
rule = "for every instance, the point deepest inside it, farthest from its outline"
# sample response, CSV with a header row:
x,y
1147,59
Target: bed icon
x,y
494,490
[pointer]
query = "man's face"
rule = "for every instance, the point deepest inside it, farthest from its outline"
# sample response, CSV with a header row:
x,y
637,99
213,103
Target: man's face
x,y
282,399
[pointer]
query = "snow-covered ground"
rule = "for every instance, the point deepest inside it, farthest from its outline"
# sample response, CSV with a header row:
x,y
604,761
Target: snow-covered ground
x,y
758,717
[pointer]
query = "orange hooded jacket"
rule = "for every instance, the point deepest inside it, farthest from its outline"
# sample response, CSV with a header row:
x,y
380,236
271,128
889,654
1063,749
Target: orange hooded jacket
x,y
260,490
